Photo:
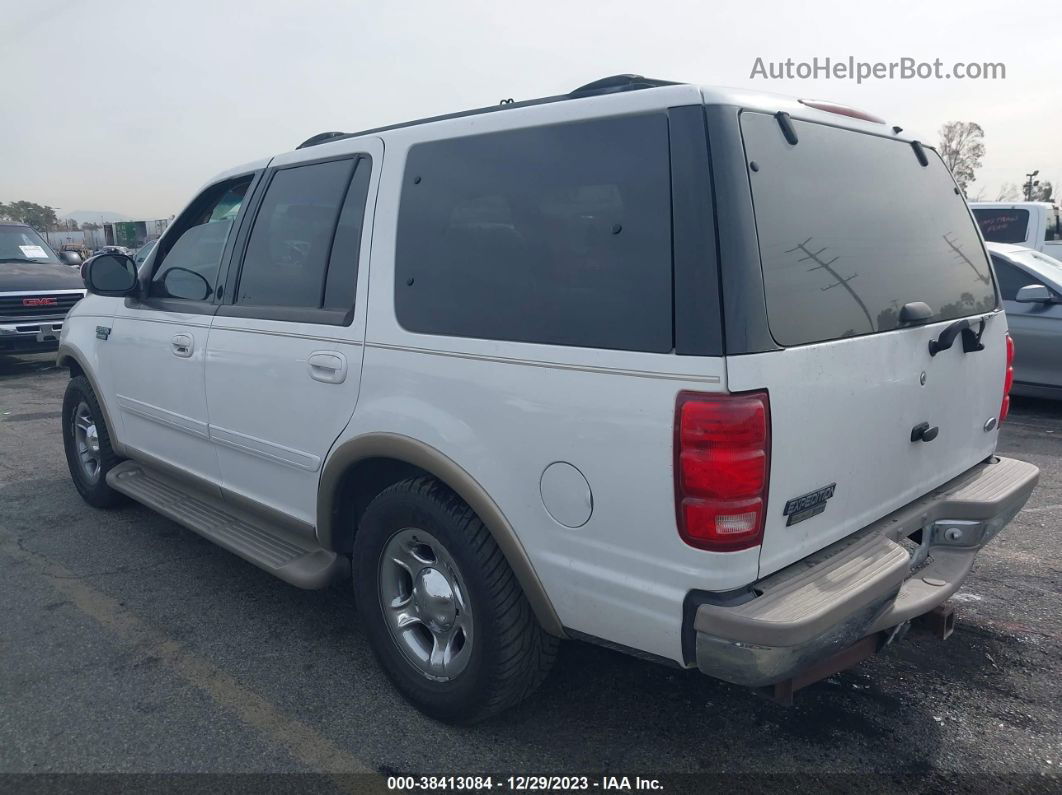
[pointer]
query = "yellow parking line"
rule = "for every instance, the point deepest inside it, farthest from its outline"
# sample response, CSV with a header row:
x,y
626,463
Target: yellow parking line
x,y
297,738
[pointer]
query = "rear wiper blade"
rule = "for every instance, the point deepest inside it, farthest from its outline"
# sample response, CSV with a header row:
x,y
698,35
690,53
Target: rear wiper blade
x,y
20,259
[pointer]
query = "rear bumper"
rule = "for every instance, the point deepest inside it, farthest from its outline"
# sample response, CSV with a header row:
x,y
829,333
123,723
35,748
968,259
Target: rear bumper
x,y
874,580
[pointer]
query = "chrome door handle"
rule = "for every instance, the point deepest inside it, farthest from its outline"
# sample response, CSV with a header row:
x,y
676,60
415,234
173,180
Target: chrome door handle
x,y
329,367
182,345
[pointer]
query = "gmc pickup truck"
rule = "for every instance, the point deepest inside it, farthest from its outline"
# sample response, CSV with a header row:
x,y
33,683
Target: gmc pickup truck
x,y
36,291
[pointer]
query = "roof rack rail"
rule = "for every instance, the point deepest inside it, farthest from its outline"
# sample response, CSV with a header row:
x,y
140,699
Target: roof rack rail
x,y
320,138
616,83
606,85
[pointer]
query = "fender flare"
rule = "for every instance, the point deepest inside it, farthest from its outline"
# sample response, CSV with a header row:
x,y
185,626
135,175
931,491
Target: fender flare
x,y
411,451
67,354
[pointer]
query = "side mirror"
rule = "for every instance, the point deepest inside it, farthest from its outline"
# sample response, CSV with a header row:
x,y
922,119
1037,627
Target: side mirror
x,y
186,284
71,258
110,274
1034,294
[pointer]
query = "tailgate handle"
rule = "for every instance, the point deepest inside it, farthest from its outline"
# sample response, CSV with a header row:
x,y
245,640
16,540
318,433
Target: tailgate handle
x,y
971,340
924,432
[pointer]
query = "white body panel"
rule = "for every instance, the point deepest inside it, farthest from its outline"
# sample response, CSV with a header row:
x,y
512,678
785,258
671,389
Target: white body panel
x,y
271,423
158,386
842,412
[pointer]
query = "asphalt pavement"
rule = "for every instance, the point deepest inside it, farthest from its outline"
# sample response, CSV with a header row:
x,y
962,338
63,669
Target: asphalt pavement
x,y
130,645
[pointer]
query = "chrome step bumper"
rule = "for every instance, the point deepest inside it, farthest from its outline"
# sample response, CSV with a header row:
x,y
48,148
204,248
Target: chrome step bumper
x,y
863,584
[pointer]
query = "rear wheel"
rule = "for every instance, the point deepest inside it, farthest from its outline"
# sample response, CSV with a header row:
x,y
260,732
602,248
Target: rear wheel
x,y
442,609
87,442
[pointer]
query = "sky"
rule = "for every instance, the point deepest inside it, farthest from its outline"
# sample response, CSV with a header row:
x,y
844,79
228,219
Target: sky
x,y
130,106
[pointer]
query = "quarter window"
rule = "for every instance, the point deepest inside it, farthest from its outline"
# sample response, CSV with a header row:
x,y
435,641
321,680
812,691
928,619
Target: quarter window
x,y
557,234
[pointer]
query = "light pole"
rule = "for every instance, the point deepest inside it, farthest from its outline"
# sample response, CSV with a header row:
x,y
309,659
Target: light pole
x,y
1030,184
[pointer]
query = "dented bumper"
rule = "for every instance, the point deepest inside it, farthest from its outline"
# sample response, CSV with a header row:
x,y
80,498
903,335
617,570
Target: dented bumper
x,y
874,580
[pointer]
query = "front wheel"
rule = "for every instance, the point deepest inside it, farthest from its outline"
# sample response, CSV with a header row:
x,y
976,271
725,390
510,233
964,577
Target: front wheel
x,y
442,609
87,441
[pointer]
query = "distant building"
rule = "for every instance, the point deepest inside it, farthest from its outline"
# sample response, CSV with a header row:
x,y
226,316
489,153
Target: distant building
x,y
84,237
133,234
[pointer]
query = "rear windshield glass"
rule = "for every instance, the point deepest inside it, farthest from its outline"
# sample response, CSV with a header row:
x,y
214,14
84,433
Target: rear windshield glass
x,y
1002,226
851,227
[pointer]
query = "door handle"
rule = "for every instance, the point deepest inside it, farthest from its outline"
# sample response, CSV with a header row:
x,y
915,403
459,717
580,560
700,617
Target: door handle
x,y
182,345
329,367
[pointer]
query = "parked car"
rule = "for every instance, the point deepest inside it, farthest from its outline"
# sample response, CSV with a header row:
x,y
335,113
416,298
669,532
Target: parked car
x,y
114,250
559,369
80,249
1035,225
1031,285
36,291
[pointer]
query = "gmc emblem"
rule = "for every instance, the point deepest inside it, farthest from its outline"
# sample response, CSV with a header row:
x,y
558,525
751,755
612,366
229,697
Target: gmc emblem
x,y
39,301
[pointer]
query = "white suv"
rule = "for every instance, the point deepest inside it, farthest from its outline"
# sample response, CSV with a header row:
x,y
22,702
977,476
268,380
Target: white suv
x,y
707,376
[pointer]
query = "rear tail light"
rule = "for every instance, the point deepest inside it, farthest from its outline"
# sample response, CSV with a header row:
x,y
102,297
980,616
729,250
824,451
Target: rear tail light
x,y
722,468
1008,381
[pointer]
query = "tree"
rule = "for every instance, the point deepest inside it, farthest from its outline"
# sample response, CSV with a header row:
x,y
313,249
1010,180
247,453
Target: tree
x,y
962,148
1008,192
1043,192
40,217
88,226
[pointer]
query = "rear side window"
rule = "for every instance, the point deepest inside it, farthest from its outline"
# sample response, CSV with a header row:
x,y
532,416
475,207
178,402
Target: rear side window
x,y
1002,226
1054,225
558,234
291,241
851,227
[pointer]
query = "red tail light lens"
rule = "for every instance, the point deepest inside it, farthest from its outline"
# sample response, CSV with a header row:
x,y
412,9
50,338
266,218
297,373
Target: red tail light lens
x,y
1008,381
722,468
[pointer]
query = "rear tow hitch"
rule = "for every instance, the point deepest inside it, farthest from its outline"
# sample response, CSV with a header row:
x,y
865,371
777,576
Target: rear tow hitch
x,y
939,622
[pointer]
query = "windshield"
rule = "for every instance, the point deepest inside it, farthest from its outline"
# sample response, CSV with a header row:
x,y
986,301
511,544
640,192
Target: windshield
x,y
22,244
851,228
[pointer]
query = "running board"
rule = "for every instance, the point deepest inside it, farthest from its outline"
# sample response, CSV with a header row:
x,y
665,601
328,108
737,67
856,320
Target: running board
x,y
280,552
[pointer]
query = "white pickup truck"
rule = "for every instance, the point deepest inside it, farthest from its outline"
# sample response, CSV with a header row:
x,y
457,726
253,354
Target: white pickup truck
x,y
1034,225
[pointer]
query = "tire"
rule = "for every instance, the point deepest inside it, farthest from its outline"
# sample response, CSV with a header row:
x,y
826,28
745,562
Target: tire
x,y
496,655
80,407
